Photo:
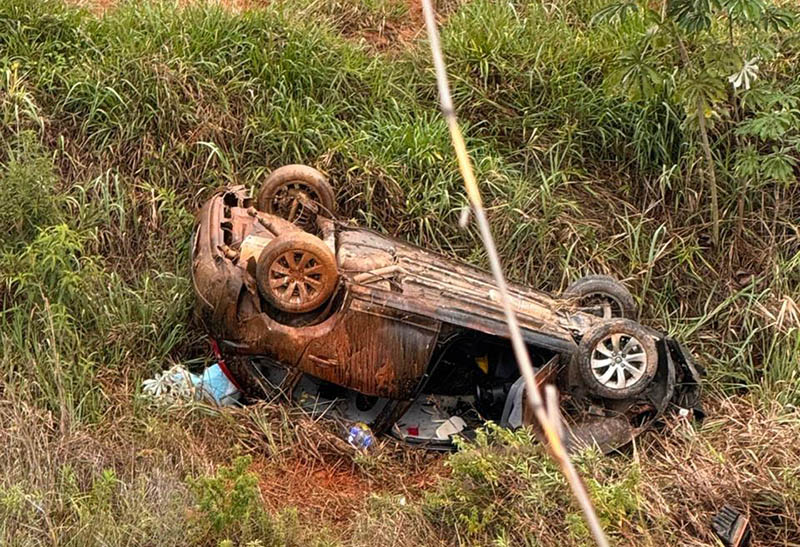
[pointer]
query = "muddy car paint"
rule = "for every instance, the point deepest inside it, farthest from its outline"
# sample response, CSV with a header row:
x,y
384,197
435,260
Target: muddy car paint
x,y
396,311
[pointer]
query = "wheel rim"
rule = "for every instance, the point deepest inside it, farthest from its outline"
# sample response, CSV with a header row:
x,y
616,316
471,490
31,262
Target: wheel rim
x,y
291,201
297,278
619,361
602,305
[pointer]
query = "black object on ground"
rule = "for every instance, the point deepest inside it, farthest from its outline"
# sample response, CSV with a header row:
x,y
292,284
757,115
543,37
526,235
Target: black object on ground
x,y
732,527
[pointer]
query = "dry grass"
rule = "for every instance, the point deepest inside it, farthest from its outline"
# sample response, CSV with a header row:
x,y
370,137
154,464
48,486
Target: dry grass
x,y
665,492
48,490
743,456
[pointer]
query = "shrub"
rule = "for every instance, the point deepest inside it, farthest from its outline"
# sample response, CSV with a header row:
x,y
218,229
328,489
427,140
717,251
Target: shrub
x,y
229,506
505,488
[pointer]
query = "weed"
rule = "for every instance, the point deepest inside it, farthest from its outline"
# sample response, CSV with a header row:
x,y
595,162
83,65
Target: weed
x,y
229,505
504,488
28,196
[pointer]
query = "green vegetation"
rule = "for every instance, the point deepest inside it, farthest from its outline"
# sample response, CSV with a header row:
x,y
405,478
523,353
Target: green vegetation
x,y
586,123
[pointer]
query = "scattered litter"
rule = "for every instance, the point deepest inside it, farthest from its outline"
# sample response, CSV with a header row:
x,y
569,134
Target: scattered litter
x,y
360,436
178,384
451,426
731,527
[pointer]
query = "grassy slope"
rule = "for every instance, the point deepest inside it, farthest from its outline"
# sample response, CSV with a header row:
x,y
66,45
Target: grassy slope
x,y
116,129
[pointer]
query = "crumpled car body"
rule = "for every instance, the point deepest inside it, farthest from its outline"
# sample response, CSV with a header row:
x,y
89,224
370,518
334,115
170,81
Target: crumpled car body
x,y
408,333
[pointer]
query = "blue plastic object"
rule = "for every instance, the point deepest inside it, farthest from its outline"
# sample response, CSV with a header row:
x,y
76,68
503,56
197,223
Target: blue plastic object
x,y
360,436
216,386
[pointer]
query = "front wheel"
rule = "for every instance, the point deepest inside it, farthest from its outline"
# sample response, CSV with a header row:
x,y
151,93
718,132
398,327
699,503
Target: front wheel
x,y
617,359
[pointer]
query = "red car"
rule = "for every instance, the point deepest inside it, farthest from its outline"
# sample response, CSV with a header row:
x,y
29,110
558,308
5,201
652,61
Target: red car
x,y
409,341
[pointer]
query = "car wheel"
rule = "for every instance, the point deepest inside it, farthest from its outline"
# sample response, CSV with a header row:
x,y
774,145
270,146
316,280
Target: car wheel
x,y
617,359
602,296
297,193
296,272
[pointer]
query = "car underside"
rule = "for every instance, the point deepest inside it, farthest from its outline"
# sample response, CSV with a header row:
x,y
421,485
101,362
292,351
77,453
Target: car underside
x,y
363,327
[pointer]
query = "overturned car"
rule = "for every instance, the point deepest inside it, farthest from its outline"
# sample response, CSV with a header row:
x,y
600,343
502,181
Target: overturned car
x,y
415,344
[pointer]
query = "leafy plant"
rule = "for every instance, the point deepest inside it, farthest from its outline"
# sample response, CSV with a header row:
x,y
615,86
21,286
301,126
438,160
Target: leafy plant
x,y
28,196
587,140
699,38
504,488
229,505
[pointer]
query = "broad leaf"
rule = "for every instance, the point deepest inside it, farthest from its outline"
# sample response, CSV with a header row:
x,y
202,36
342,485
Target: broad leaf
x,y
769,125
777,19
744,10
779,166
704,90
616,12
765,97
746,76
635,76
692,15
748,162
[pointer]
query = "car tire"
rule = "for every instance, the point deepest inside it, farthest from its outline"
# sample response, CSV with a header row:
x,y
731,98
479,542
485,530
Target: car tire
x,y
296,272
603,296
290,189
617,359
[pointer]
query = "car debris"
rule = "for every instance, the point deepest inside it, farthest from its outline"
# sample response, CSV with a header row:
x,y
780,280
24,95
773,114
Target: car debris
x,y
731,527
383,332
178,384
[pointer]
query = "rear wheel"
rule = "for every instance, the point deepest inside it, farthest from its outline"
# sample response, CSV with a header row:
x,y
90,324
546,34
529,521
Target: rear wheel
x,y
603,296
296,272
617,359
297,193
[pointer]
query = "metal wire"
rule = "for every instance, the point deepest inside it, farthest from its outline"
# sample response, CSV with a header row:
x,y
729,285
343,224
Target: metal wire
x,y
551,430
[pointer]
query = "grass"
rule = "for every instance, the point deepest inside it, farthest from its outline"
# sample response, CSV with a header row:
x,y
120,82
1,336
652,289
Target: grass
x,y
117,127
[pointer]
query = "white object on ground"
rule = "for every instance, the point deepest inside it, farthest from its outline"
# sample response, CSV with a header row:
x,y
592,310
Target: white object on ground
x,y
451,426
178,384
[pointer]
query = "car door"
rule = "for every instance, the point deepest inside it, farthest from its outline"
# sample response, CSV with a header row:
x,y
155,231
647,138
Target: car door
x,y
374,349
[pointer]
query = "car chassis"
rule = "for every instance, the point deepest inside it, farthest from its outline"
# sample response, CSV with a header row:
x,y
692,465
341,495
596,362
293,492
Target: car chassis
x,y
413,343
